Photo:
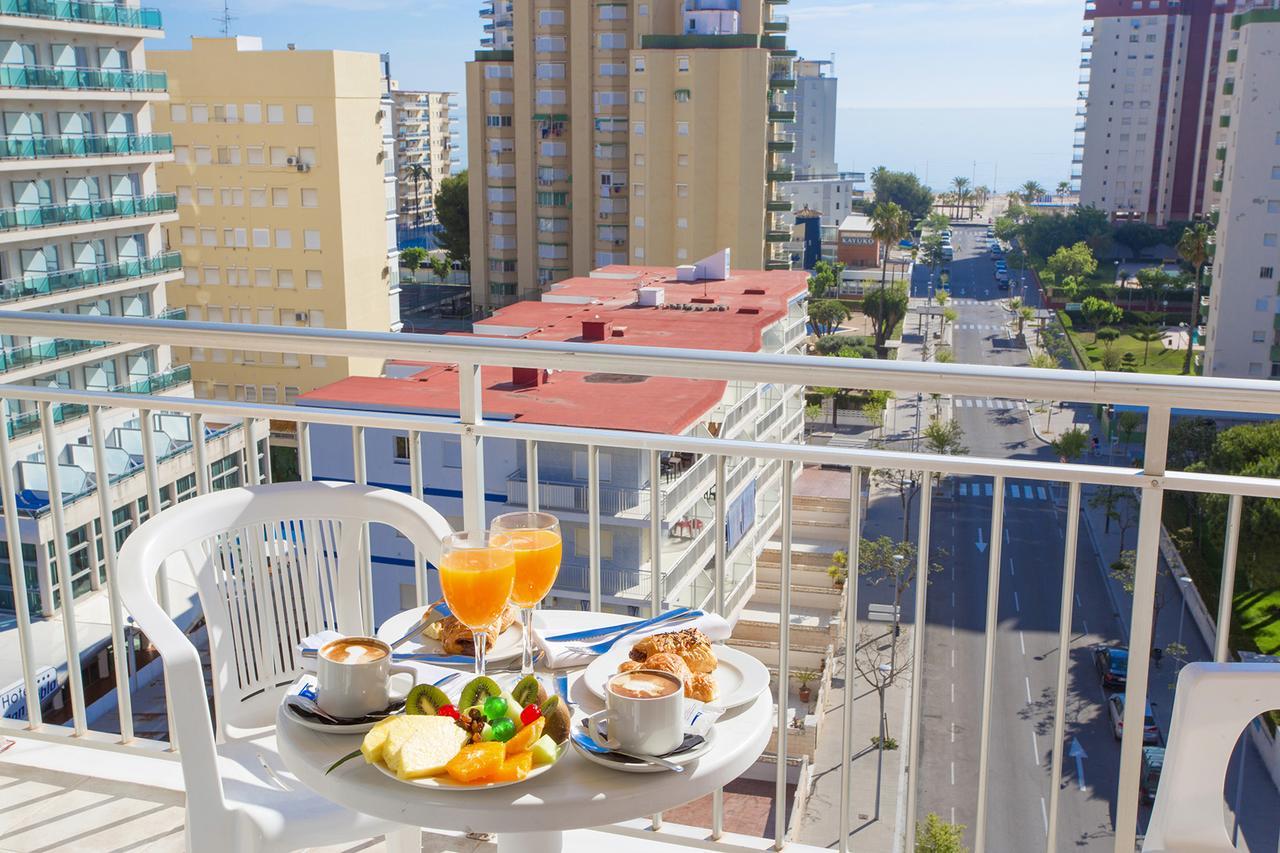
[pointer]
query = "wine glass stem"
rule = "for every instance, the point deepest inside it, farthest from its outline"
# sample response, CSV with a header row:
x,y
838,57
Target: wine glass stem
x,y
482,645
526,659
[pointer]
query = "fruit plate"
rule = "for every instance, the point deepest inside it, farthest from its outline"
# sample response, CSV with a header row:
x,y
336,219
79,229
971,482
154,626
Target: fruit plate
x,y
509,645
739,676
445,783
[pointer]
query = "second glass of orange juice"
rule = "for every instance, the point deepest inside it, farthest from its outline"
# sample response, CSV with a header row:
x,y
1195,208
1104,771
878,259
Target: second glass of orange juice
x,y
477,573
535,538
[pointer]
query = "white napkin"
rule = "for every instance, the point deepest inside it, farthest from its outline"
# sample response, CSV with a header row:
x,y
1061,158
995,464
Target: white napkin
x,y
424,673
561,655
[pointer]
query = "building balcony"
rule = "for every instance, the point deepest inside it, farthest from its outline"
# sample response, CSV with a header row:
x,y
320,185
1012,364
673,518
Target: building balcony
x,y
777,24
81,79
778,236
25,423
775,175
43,284
779,205
1220,153
1229,87
101,210
57,147
84,12
44,352
777,264
779,116
782,146
100,731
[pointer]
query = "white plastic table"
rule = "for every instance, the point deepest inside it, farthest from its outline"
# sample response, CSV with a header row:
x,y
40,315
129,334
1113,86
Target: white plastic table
x,y
530,817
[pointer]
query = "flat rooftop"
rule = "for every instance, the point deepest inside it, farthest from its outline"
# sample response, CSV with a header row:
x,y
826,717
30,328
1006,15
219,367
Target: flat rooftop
x,y
728,315
856,222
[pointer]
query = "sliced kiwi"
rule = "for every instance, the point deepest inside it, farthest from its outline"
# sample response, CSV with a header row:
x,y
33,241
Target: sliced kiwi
x,y
477,690
526,691
425,699
556,713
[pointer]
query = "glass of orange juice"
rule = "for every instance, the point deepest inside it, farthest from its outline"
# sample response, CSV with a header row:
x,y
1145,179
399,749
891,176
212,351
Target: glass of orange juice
x,y
477,573
536,539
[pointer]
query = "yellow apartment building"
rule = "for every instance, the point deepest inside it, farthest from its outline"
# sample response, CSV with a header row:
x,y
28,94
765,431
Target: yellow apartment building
x,y
641,133
285,183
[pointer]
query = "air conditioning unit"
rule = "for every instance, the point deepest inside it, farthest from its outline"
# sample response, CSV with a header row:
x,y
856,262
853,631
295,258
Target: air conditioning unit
x,y
292,161
304,167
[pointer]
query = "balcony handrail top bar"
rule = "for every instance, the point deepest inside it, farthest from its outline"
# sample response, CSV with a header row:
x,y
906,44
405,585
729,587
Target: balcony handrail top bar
x,y
962,466
1227,395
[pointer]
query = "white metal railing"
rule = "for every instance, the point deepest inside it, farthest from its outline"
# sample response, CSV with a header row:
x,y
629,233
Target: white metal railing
x,y
1158,394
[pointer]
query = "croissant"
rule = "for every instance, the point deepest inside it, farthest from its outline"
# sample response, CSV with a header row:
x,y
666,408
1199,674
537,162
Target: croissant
x,y
691,644
700,687
458,639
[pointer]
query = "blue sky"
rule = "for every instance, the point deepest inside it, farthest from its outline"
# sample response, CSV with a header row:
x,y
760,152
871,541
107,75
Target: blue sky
x,y
934,59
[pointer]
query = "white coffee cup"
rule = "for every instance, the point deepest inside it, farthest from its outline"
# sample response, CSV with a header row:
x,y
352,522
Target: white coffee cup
x,y
354,675
644,712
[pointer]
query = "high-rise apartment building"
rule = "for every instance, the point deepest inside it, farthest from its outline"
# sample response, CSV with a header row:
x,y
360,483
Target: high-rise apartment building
x,y
628,132
426,153
284,173
81,220
1243,339
1146,122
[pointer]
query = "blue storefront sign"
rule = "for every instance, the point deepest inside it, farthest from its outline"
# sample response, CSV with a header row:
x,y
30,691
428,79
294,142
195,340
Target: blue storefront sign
x,y
13,699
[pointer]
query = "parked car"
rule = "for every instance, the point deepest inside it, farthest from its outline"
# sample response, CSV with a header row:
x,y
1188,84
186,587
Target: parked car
x,y
1002,276
1152,765
1113,665
991,232
1150,731
996,250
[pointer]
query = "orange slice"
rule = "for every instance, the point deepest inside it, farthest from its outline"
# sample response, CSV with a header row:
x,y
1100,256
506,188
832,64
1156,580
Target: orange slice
x,y
515,768
526,737
476,761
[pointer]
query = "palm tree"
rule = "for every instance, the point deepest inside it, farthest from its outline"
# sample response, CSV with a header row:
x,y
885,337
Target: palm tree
x,y
964,198
959,186
418,171
1194,249
1031,191
1064,189
889,225
983,194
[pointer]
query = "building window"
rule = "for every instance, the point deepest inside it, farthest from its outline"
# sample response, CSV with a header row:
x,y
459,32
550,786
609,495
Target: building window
x,y
178,114
253,113
580,466
639,69
400,450
1269,240
550,17
204,155
681,222
187,235
451,452
639,223
1255,368
208,237
682,190
1267,272
682,128
682,63
279,197
284,279
262,238
258,197
310,197
275,114
256,155
199,114
311,239
1259,337
306,114
315,279
639,159
638,96
639,128
582,543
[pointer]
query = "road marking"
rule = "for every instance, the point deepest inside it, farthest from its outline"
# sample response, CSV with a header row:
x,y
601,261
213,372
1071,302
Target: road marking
x,y
953,598
1011,571
1044,813
1078,604
953,732
1085,622
1006,538
1015,491
953,815
1022,642
953,693
953,773
990,491
1035,747
953,627
1017,605
1027,679
953,658
1041,493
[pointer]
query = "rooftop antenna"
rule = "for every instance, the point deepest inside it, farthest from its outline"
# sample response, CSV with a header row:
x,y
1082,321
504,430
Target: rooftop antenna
x,y
226,18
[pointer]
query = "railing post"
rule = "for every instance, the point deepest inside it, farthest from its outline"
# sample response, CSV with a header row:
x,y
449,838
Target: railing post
x,y
850,648
722,497
531,475
359,473
471,413
1064,660
784,662
18,574
655,533
415,489
1145,577
304,452
1226,594
75,678
593,526
253,470
120,651
917,663
200,454
989,657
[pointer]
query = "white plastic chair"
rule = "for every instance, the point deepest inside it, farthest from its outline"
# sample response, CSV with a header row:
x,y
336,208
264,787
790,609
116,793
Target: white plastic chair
x,y
272,564
1214,703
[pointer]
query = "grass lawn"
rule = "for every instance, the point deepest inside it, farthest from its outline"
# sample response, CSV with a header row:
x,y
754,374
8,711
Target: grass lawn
x,y
1161,360
1258,614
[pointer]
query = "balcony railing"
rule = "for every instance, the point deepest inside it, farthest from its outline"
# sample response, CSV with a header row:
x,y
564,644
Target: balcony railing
x,y
24,423
1055,569
86,79
84,11
43,352
115,145
44,284
86,211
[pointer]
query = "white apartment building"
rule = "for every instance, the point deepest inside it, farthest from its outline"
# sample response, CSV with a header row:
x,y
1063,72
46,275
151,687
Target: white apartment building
x,y
639,306
1145,123
427,151
1243,339
80,234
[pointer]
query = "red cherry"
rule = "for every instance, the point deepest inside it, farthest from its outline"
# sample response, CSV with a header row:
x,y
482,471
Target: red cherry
x,y
529,714
448,711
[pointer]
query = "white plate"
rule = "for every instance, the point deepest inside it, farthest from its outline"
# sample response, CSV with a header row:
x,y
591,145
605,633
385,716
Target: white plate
x,y
509,645
681,759
740,677
307,723
446,783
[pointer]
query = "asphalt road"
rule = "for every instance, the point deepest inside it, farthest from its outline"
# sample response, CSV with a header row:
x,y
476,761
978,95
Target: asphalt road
x,y
1026,649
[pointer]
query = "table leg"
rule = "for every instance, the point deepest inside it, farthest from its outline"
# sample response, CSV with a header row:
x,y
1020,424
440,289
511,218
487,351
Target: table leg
x,y
530,842
405,841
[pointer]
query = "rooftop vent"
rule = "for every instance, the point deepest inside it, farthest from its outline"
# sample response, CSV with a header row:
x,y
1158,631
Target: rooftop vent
x,y
613,379
596,330
651,297
528,377
754,291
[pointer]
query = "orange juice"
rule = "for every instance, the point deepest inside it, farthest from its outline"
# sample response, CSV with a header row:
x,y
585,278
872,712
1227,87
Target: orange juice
x,y
477,583
537,564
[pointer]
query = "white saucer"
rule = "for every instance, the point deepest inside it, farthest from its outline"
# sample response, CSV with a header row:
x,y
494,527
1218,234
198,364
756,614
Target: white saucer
x,y
631,765
740,677
307,679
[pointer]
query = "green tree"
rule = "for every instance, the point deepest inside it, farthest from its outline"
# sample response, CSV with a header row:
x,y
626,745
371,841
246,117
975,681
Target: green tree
x,y
1099,312
826,315
1044,361
1111,360
889,224
892,562
1071,444
453,210
1191,440
412,258
1076,261
1125,571
936,221
1108,336
944,356
1025,316
440,265
825,279
903,189
1064,189
1147,334
417,171
1044,234
1032,191
1194,248
1127,424
1252,450
935,835
1006,228
886,309
932,254
1137,237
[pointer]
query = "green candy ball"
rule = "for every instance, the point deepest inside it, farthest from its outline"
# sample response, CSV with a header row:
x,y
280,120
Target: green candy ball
x,y
495,708
504,730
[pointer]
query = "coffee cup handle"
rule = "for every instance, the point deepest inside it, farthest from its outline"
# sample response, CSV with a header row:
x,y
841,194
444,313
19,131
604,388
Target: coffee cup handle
x,y
400,669
593,724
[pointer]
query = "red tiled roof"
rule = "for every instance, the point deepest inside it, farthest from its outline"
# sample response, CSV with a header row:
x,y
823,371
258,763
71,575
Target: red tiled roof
x,y
753,301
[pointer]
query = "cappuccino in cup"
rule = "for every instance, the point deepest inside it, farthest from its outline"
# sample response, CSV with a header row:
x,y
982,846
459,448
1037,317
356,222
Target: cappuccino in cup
x,y
354,677
354,650
644,712
643,685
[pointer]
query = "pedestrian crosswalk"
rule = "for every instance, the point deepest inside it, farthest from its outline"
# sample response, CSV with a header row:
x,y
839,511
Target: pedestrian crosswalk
x,y
980,327
987,403
1014,491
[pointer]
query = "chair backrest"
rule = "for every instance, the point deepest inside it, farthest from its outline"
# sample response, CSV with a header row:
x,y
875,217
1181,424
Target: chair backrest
x,y
272,565
1214,703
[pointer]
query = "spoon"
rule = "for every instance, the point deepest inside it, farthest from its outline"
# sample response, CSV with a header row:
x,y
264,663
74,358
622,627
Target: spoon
x,y
586,742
